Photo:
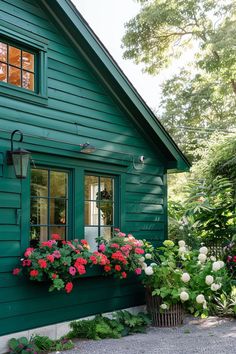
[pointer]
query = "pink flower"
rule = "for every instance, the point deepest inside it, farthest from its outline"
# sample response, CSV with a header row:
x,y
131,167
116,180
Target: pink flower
x,y
16,271
114,245
68,287
80,268
56,254
54,276
121,234
139,251
138,271
28,252
117,267
102,248
72,270
107,268
48,243
124,275
117,230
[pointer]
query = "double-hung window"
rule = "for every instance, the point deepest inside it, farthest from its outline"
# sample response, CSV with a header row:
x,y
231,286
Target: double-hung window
x,y
101,207
49,204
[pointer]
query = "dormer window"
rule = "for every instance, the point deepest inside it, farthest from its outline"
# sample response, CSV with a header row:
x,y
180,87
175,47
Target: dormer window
x,y
17,66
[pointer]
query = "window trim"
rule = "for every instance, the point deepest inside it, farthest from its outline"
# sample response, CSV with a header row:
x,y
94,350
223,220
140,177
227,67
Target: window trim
x,y
18,36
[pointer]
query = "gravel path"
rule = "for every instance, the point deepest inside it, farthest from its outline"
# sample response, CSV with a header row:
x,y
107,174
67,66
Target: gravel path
x,y
211,336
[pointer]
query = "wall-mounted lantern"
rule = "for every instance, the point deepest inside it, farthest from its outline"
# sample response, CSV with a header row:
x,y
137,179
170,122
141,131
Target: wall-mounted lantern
x,y
19,158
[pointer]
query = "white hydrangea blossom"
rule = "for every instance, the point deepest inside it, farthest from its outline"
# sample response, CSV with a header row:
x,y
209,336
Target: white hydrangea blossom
x,y
181,243
203,250
141,259
215,287
184,296
148,270
221,264
153,265
200,299
213,258
216,266
148,256
185,277
164,307
204,304
209,279
202,257
182,249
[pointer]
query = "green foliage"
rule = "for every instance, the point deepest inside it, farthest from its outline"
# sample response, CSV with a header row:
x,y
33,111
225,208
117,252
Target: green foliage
x,y
102,327
38,344
225,304
45,344
132,323
201,98
22,346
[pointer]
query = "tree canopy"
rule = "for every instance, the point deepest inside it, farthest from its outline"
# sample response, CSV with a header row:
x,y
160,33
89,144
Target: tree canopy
x,y
201,98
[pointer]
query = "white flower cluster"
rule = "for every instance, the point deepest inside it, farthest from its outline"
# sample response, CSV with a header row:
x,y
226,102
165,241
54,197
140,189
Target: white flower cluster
x,y
185,277
200,299
202,257
163,306
217,265
184,296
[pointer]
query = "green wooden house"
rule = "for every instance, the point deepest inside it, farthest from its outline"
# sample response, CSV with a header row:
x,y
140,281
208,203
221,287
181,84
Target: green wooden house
x,y
64,92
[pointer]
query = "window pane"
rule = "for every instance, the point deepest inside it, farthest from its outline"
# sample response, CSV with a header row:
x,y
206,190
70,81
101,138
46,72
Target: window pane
x,y
38,234
39,183
28,61
14,56
39,211
91,233
60,230
106,187
14,76
58,184
58,211
91,213
3,72
28,80
3,52
91,187
106,233
106,215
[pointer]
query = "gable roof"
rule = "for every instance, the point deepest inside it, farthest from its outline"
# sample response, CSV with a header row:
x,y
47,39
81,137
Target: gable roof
x,y
83,37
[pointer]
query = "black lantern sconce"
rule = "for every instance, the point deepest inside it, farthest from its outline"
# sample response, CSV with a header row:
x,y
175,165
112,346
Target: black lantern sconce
x,y
19,158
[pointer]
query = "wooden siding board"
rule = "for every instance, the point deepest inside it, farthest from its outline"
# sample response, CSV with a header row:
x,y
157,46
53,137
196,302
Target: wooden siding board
x,y
10,233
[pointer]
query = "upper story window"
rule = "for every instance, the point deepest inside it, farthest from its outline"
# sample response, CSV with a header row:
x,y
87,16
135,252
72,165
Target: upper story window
x,y
17,66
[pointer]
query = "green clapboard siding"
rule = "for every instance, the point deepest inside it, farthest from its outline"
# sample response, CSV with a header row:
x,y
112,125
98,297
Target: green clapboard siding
x,y
79,108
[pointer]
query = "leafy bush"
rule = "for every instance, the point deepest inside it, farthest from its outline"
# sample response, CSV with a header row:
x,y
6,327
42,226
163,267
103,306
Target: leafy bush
x,y
225,304
123,324
22,346
46,344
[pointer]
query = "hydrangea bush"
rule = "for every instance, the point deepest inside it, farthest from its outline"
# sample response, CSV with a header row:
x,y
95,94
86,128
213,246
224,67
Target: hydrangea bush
x,y
176,273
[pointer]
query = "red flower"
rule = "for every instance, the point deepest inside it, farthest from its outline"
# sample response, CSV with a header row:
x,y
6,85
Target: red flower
x,y
234,259
42,263
107,268
117,267
34,273
68,287
56,237
54,276
80,268
114,245
124,275
81,260
26,263
16,271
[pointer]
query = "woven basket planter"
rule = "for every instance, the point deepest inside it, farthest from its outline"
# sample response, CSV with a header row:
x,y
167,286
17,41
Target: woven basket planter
x,y
163,318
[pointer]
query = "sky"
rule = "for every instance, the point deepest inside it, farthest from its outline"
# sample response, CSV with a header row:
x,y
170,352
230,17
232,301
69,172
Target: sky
x,y
107,18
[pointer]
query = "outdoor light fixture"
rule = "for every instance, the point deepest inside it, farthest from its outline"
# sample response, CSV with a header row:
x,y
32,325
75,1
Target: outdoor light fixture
x,y
19,158
87,148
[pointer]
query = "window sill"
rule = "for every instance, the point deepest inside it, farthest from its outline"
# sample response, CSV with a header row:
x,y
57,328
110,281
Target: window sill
x,y
22,94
